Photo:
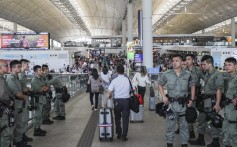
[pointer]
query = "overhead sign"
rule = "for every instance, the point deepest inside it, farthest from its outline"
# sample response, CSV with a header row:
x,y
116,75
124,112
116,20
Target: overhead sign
x,y
138,58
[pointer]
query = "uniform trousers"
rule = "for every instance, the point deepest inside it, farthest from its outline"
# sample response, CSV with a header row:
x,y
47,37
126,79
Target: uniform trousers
x,y
59,106
230,129
25,116
47,109
183,127
37,120
18,124
6,132
202,123
121,109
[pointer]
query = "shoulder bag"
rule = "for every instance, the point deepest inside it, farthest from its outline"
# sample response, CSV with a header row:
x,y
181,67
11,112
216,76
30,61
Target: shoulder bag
x,y
134,102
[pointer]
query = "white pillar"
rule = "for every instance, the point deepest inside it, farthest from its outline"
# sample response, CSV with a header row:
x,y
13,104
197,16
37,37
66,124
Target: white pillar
x,y
233,32
130,22
147,33
51,44
14,27
124,36
203,31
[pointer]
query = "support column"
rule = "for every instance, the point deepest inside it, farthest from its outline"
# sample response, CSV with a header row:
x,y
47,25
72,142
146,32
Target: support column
x,y
14,27
233,32
130,28
130,22
124,36
51,44
203,31
147,33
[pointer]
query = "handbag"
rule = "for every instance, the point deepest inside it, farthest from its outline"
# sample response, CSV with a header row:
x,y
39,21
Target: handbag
x,y
88,88
134,102
101,89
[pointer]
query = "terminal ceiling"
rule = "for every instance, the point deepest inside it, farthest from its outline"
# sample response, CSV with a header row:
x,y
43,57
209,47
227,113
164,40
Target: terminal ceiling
x,y
71,19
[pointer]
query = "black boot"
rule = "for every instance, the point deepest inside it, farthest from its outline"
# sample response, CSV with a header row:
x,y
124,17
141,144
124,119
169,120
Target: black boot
x,y
47,122
184,145
22,144
43,131
192,135
169,145
26,139
215,143
177,131
38,132
200,141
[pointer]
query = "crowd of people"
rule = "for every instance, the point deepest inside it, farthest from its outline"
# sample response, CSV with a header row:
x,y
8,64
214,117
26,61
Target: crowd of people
x,y
188,85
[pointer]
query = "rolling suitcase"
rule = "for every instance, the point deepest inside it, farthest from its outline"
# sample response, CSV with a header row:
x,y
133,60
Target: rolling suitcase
x,y
137,117
106,131
152,104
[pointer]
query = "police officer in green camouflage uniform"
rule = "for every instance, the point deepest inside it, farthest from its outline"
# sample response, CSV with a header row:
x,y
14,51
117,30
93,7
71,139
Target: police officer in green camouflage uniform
x,y
196,75
39,85
59,106
211,90
16,92
6,132
178,82
47,106
229,127
25,113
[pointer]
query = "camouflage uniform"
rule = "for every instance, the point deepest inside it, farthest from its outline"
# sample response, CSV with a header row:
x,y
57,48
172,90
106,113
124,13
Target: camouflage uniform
x,y
177,87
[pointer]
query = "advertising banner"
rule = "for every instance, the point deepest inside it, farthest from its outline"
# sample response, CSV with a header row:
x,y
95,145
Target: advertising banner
x,y
25,41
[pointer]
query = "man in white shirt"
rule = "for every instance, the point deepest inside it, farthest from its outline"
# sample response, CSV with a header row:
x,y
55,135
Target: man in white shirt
x,y
121,88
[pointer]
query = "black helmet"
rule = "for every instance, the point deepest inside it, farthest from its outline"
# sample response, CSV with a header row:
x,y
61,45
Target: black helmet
x,y
210,115
161,109
217,121
191,115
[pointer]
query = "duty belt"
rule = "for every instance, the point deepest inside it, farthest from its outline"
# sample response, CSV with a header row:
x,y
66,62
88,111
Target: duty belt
x,y
232,122
180,100
175,99
204,96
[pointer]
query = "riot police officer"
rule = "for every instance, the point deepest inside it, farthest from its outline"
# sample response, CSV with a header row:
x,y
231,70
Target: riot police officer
x,y
229,127
196,75
16,92
59,106
25,113
6,131
178,82
211,93
47,106
39,85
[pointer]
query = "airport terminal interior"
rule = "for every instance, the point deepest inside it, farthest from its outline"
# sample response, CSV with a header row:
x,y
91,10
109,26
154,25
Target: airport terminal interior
x,y
61,59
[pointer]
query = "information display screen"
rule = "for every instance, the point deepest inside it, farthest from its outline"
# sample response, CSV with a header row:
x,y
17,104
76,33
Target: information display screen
x,y
138,58
25,41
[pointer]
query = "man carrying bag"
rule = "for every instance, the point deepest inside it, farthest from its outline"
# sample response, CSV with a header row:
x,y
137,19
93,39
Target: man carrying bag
x,y
121,88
